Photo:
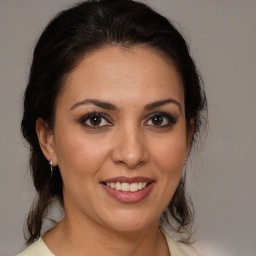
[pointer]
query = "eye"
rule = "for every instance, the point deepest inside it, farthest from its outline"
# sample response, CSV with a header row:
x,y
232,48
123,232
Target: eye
x,y
161,120
95,121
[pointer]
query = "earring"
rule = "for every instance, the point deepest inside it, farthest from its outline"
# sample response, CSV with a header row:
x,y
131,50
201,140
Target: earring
x,y
51,165
185,161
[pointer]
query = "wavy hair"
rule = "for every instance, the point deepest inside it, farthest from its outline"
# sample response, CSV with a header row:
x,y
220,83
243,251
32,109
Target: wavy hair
x,y
74,32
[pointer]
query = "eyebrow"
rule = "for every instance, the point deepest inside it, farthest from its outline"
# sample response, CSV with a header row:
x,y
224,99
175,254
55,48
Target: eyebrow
x,y
110,106
98,103
161,103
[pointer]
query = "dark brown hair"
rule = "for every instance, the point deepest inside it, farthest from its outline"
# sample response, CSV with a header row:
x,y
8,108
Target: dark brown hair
x,y
74,32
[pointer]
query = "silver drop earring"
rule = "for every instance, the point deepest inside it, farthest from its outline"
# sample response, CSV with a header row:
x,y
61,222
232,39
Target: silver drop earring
x,y
185,161
51,164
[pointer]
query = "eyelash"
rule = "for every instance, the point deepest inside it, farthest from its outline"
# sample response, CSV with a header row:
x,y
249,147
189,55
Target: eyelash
x,y
171,120
87,117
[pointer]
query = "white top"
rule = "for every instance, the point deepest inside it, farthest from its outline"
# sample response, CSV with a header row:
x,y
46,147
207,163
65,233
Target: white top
x,y
39,248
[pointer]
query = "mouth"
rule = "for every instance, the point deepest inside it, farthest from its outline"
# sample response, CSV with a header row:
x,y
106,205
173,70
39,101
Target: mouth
x,y
128,189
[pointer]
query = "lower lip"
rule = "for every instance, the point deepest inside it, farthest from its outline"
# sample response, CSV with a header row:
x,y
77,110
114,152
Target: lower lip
x,y
129,197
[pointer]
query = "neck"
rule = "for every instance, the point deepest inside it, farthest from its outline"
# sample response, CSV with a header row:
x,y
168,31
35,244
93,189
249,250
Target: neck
x,y
72,237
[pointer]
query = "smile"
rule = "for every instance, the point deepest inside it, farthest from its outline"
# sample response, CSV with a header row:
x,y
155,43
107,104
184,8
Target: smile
x,y
126,187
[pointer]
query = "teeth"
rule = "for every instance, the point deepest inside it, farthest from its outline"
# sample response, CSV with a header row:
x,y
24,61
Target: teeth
x,y
134,187
118,186
126,187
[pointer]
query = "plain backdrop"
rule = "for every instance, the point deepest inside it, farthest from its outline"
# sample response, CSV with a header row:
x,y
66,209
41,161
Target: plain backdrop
x,y
222,176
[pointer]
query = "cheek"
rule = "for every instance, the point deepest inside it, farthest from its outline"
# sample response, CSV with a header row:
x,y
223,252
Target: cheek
x,y
79,156
170,153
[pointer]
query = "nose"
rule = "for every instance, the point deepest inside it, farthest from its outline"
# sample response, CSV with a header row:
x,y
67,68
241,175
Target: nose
x,y
130,148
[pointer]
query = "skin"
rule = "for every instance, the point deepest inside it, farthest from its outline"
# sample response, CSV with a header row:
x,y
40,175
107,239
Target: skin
x,y
125,143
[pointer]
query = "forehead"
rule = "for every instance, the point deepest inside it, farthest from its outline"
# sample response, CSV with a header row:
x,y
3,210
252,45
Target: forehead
x,y
117,73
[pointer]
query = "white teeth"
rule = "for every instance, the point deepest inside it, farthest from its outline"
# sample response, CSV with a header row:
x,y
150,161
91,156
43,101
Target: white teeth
x,y
134,187
126,187
118,186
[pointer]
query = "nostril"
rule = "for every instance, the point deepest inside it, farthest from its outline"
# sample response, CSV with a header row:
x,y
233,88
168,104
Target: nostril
x,y
130,151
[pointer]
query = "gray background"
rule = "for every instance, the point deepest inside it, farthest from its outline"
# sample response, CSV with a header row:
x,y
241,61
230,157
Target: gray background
x,y
222,177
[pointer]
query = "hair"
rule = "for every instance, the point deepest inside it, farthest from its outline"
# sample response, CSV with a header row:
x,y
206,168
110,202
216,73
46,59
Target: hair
x,y
87,27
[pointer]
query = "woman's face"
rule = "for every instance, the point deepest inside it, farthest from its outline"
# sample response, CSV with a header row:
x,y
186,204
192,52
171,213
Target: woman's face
x,y
120,126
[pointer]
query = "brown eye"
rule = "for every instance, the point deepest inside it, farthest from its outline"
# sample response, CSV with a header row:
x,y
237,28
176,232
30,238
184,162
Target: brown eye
x,y
161,120
157,120
95,120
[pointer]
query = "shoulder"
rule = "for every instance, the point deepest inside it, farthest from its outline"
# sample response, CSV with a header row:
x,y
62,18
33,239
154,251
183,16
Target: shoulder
x,y
179,249
189,250
38,248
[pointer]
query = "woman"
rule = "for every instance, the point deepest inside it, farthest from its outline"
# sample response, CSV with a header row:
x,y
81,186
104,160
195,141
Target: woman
x,y
111,110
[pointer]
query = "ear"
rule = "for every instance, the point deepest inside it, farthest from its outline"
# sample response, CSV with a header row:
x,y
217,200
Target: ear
x,y
45,137
190,134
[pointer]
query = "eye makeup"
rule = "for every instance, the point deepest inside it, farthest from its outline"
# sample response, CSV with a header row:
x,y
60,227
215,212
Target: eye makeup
x,y
95,120
98,120
161,120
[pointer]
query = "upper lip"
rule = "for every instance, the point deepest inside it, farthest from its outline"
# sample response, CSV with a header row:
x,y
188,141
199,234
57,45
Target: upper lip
x,y
128,179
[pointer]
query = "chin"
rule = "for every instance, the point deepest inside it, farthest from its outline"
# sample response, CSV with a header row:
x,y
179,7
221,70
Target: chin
x,y
130,221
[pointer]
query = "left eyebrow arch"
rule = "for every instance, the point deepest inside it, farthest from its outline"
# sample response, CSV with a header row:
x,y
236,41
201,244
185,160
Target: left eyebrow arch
x,y
98,103
161,103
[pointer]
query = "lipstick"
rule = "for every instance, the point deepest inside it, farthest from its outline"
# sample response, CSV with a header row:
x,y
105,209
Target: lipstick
x,y
128,189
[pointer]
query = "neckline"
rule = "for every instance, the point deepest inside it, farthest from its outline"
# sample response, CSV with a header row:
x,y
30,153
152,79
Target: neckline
x,y
173,247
